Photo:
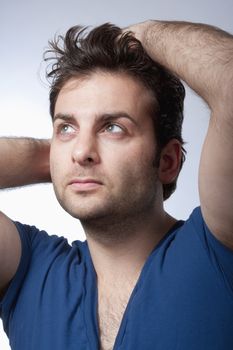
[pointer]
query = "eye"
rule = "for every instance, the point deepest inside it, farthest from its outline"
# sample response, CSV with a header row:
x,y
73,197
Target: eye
x,y
114,128
65,129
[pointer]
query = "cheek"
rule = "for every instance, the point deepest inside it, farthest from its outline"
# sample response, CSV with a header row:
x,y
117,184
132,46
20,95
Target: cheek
x,y
134,163
57,164
53,171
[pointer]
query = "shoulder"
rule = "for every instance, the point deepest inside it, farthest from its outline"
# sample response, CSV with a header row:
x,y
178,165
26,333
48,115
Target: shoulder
x,y
194,237
40,244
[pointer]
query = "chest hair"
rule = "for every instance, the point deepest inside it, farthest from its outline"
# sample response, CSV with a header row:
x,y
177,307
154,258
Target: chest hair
x,y
112,302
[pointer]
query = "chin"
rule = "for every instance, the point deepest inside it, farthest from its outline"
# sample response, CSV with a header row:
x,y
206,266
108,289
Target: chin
x,y
85,212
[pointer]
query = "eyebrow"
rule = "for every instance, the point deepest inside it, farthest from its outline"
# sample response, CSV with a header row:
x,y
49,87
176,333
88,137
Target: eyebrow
x,y
103,117
66,117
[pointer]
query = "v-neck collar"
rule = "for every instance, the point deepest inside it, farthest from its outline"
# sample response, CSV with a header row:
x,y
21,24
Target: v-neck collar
x,y
91,296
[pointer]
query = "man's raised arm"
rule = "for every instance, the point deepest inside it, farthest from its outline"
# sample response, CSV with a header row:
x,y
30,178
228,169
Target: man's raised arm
x,y
23,161
202,56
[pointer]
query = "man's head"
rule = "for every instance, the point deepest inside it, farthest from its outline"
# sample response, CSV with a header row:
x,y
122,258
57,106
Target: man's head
x,y
106,49
116,146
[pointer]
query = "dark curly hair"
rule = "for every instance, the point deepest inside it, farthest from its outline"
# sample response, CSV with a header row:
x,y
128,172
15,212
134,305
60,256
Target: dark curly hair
x,y
81,52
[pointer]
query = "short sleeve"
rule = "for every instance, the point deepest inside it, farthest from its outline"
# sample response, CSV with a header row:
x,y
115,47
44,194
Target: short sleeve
x,y
220,255
33,242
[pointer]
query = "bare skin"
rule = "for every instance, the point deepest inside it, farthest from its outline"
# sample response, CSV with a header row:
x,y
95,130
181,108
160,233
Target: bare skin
x,y
18,165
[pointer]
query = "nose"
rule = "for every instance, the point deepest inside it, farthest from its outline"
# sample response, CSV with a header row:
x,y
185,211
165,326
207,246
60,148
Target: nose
x,y
85,149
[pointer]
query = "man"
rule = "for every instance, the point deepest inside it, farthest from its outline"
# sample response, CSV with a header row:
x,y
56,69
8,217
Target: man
x,y
143,280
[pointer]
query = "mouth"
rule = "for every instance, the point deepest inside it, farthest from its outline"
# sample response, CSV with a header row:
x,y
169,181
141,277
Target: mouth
x,y
85,184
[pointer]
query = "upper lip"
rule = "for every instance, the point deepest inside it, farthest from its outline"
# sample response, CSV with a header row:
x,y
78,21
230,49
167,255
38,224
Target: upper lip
x,y
84,180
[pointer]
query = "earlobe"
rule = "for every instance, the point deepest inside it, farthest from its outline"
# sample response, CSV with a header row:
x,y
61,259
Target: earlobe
x,y
169,163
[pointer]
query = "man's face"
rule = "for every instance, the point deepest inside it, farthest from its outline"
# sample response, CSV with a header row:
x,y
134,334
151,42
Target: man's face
x,y
103,148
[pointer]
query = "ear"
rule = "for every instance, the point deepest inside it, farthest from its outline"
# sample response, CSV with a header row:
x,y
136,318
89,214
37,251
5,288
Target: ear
x,y
169,163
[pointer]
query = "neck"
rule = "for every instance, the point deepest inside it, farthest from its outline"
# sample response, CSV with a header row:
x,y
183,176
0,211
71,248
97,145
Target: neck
x,y
120,247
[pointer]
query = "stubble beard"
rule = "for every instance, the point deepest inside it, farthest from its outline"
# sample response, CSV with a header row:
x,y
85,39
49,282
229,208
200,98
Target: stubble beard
x,y
112,218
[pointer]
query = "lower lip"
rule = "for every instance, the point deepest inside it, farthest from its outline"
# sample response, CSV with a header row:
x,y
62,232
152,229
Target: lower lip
x,y
85,186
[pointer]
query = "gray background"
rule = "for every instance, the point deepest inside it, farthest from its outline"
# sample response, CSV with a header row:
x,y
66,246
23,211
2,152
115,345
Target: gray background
x,y
25,27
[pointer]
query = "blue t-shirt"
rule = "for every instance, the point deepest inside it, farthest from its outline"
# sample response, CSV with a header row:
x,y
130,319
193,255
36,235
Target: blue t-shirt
x,y
183,299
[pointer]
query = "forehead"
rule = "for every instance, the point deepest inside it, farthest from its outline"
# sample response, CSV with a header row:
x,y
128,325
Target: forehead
x,y
103,92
